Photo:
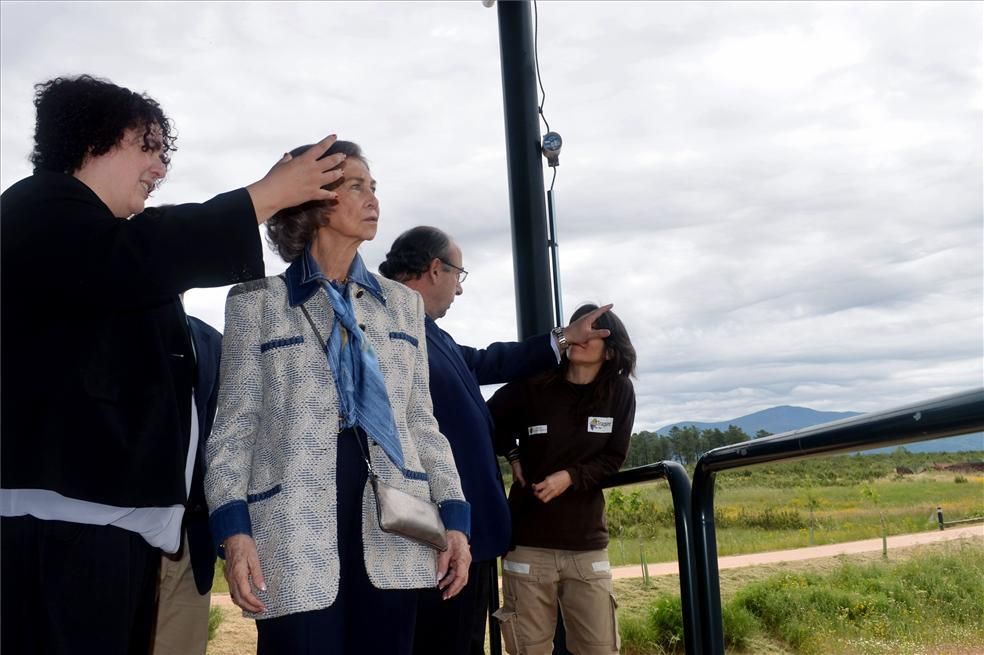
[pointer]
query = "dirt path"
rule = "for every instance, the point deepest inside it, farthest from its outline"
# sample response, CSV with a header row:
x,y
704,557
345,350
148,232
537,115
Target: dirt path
x,y
773,557
813,552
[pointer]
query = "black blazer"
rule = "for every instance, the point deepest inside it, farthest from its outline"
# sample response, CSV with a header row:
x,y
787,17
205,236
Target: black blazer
x,y
95,359
455,375
208,351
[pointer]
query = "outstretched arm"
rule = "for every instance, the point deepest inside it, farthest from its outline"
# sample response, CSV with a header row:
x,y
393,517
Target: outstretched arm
x,y
509,361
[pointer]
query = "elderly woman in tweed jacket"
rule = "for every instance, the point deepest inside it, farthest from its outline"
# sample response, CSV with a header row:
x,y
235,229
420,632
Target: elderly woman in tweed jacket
x,y
322,366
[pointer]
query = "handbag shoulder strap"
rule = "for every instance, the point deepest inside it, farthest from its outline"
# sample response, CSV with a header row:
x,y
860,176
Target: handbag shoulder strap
x,y
317,333
307,315
324,347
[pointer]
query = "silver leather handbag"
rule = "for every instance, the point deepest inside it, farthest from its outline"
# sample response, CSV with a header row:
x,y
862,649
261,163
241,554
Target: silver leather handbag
x,y
406,515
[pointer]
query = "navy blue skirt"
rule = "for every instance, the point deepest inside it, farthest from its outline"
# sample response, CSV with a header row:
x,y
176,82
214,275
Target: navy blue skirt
x,y
363,619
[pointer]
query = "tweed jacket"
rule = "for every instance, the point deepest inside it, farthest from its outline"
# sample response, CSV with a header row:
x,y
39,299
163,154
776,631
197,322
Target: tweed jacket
x,y
273,445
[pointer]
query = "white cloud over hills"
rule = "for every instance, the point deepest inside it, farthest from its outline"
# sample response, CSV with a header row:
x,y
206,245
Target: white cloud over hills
x,y
784,201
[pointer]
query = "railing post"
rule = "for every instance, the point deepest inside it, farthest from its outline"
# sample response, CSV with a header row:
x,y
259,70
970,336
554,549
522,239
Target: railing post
x,y
706,562
679,483
680,491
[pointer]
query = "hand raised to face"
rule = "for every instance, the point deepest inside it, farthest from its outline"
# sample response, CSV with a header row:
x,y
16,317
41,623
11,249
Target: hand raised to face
x,y
581,330
295,180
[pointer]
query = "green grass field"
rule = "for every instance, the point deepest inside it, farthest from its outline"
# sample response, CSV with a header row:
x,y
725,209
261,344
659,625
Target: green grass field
x,y
927,600
922,600
768,508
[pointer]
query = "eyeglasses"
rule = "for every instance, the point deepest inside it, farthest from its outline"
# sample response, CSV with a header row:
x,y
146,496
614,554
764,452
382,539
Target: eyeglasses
x,y
462,273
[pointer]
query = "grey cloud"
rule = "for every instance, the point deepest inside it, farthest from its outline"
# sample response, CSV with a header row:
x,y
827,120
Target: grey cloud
x,y
783,200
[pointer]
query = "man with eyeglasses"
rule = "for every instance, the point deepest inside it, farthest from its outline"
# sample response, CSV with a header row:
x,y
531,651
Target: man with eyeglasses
x,y
430,262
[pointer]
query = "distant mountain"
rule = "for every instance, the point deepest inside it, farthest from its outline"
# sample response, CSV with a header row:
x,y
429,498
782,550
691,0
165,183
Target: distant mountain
x,y
787,417
775,420
959,444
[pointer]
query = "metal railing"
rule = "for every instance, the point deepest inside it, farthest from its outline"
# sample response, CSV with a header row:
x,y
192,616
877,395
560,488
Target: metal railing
x,y
680,492
693,505
942,417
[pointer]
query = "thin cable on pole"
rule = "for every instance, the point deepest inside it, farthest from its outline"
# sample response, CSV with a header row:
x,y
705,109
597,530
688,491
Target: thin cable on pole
x,y
536,63
552,158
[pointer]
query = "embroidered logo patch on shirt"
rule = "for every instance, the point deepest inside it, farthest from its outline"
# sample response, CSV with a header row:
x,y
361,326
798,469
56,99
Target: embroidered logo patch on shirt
x,y
600,424
539,429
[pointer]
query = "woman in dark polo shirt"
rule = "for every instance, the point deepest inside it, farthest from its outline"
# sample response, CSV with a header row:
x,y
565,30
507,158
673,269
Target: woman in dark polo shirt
x,y
564,433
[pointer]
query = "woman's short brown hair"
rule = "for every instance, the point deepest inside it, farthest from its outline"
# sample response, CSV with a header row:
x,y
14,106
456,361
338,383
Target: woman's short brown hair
x,y
290,230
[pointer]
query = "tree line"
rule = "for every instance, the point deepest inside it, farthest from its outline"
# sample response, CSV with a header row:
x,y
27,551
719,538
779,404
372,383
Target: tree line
x,y
682,444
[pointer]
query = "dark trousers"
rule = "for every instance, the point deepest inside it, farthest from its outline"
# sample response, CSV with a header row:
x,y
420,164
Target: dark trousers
x,y
363,619
74,588
455,626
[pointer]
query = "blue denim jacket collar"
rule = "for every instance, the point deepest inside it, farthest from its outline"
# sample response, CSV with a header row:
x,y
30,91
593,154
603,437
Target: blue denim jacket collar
x,y
304,278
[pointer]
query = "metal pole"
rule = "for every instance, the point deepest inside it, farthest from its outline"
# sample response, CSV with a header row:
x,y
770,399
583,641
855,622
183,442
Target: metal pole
x,y
554,245
529,217
526,208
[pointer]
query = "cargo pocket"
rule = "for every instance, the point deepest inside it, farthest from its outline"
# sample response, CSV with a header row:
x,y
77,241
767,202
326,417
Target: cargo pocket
x,y
616,638
507,625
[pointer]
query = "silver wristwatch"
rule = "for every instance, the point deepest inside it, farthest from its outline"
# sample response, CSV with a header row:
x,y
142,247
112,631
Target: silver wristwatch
x,y
562,342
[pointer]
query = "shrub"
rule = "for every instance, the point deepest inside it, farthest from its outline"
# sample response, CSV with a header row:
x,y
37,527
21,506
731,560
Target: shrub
x,y
214,619
661,631
771,518
637,637
666,623
633,515
739,625
780,607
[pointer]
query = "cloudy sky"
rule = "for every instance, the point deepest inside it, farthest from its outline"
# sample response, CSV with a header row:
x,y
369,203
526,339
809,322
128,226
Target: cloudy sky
x,y
784,201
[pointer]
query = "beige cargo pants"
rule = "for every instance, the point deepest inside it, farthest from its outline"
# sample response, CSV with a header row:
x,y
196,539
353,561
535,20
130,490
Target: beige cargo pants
x,y
535,580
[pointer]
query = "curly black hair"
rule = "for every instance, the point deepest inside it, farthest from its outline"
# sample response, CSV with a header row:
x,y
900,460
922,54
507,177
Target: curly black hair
x,y
290,230
413,251
86,116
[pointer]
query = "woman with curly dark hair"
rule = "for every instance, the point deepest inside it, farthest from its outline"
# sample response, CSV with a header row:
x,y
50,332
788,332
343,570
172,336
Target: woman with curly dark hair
x,y
65,133
99,431
564,433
